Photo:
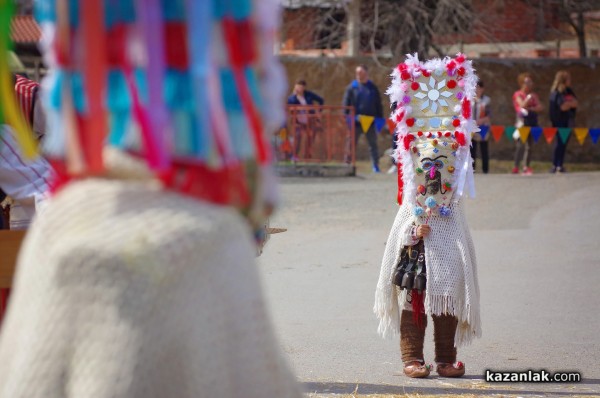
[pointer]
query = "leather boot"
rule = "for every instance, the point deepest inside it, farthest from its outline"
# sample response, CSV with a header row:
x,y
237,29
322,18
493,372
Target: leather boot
x,y
444,329
412,338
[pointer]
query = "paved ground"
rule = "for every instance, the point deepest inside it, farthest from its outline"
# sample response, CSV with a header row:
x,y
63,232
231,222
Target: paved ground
x,y
537,241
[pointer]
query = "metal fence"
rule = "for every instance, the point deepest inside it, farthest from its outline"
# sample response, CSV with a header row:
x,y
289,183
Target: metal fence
x,y
319,134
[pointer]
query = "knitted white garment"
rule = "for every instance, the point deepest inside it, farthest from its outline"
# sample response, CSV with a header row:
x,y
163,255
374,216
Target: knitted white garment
x,y
452,284
126,291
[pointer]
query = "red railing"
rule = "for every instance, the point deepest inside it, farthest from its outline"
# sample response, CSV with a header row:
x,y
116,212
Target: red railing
x,y
317,134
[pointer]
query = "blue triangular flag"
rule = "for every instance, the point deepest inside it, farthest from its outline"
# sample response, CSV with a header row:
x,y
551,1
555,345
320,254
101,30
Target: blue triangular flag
x,y
483,130
379,123
595,133
536,133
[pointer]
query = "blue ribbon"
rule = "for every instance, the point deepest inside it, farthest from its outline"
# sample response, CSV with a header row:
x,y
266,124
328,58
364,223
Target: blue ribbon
x,y
199,26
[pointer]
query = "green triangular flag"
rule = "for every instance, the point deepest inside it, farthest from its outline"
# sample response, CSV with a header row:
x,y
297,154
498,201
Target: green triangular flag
x,y
564,133
509,131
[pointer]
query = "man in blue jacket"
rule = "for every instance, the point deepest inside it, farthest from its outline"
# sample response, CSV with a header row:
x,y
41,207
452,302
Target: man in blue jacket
x,y
364,96
304,124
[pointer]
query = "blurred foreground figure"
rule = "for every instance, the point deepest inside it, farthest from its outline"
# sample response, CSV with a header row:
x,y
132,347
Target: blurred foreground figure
x,y
139,281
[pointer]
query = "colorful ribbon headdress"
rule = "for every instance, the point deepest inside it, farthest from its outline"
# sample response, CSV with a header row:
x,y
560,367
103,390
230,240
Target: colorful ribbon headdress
x,y
186,84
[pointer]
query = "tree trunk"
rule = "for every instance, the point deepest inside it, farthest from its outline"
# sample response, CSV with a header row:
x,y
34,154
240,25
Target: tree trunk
x,y
353,28
581,35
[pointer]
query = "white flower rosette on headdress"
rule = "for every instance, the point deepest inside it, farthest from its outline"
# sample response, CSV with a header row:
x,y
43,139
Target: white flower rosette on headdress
x,y
434,126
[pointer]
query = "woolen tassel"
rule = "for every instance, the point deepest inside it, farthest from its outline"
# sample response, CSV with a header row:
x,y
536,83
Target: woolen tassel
x,y
418,306
400,182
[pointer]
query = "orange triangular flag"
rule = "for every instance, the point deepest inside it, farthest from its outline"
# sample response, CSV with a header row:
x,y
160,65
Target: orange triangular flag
x,y
391,126
497,132
524,133
580,134
365,122
549,133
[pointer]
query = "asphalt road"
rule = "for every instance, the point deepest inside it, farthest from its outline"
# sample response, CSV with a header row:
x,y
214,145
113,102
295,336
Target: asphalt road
x,y
538,248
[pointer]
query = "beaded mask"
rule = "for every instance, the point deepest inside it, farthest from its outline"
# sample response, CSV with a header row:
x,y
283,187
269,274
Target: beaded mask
x,y
434,127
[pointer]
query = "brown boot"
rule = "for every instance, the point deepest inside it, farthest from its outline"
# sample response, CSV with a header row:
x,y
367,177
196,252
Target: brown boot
x,y
416,369
412,338
445,351
451,370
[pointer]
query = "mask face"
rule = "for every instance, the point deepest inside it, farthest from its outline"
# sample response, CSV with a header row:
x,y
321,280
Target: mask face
x,y
434,160
434,126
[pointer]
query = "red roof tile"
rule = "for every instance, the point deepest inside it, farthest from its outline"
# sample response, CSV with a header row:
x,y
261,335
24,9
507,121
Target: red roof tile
x,y
24,29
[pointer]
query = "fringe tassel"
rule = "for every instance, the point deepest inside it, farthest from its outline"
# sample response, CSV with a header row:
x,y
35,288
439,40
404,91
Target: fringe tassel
x,y
418,306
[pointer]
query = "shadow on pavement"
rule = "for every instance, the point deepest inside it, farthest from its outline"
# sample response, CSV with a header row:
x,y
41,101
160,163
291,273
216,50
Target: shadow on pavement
x,y
555,389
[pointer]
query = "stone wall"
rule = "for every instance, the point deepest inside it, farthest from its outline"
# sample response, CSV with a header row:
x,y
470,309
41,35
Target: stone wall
x,y
329,77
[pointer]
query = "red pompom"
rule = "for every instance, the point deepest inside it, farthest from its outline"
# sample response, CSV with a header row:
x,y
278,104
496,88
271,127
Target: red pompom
x,y
414,85
460,138
429,135
451,65
420,133
405,75
460,58
456,122
402,67
399,117
410,122
461,71
466,109
448,134
439,133
426,73
451,84
407,141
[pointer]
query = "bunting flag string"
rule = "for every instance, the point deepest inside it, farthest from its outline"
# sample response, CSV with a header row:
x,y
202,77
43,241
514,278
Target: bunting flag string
x,y
536,133
391,126
549,133
379,123
483,131
497,132
365,122
563,134
580,134
509,132
524,133
595,134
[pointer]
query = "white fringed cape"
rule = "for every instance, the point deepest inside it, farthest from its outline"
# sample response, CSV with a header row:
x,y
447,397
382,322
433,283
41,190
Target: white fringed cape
x,y
452,284
126,291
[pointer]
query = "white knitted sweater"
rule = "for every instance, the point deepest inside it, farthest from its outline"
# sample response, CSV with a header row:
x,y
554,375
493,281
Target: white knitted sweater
x,y
452,284
126,291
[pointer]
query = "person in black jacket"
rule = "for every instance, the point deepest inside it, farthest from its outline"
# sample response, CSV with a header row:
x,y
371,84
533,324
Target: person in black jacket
x,y
364,96
563,106
305,125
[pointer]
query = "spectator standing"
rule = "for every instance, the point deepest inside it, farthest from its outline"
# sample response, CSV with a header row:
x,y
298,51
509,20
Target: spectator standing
x,y
481,114
364,96
563,107
304,124
527,106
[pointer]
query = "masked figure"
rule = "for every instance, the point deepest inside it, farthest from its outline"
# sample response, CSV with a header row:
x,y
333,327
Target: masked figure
x,y
434,169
